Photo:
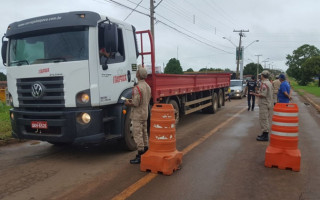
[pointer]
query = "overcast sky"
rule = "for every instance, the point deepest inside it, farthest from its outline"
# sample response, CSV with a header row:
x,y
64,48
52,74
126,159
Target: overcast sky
x,y
281,26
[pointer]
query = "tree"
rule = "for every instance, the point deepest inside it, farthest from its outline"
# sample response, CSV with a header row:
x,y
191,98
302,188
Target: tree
x,y
251,69
296,60
173,67
311,68
190,70
211,70
3,77
227,70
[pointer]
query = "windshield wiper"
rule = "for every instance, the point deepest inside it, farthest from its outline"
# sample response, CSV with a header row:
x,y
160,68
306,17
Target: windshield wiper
x,y
19,62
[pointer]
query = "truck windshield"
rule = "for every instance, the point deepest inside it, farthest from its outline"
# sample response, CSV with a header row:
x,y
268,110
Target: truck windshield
x,y
71,45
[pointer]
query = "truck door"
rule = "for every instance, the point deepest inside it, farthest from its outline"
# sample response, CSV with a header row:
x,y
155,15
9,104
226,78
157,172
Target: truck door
x,y
115,72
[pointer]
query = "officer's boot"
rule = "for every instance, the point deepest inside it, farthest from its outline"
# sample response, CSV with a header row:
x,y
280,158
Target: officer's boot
x,y
137,160
263,137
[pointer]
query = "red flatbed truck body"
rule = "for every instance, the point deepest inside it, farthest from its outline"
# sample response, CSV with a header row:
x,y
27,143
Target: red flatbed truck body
x,y
165,85
171,85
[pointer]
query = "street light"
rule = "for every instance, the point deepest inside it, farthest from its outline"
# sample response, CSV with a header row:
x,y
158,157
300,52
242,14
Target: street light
x,y
241,66
229,41
251,43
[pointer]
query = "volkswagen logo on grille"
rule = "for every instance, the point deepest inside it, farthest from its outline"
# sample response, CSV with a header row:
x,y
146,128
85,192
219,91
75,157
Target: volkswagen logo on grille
x,y
37,90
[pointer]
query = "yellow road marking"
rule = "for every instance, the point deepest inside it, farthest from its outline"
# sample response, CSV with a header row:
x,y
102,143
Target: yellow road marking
x,y
147,178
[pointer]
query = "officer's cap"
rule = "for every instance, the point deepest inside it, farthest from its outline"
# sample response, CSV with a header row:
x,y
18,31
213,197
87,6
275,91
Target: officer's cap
x,y
265,73
282,76
142,72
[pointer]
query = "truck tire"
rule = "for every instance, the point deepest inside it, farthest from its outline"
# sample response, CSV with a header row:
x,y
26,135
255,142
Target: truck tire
x,y
221,99
214,107
129,142
176,110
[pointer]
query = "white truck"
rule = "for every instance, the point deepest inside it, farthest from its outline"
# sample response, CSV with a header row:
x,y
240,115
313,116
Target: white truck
x,y
61,89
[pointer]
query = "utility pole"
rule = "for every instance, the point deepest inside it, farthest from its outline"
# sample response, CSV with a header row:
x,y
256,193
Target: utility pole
x,y
152,19
258,66
265,63
241,34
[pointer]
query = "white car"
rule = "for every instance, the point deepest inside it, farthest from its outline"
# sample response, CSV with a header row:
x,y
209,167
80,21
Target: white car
x,y
237,88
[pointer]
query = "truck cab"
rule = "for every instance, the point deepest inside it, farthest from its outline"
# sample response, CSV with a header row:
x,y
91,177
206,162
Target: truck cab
x,y
62,88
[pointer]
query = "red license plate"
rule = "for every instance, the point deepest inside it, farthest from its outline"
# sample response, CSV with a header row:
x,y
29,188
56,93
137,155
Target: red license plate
x,y
39,125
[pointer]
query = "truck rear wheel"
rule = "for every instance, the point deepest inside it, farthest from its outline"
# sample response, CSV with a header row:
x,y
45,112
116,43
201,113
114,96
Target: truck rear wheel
x,y
214,107
176,110
221,99
129,142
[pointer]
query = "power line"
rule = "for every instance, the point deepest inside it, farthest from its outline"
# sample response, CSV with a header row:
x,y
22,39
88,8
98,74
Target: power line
x,y
169,26
133,10
193,37
120,4
158,4
186,29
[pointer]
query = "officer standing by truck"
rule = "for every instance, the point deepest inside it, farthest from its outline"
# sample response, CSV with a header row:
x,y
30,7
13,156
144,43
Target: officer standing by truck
x,y
265,105
141,95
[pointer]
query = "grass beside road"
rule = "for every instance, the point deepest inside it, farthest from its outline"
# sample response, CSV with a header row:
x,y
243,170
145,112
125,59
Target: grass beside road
x,y
5,126
312,88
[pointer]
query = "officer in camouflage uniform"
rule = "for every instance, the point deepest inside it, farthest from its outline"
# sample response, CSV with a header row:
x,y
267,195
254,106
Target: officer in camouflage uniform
x,y
276,85
265,105
141,95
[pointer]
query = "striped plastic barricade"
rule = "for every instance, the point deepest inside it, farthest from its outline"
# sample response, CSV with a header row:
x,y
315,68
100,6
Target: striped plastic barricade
x,y
283,151
162,155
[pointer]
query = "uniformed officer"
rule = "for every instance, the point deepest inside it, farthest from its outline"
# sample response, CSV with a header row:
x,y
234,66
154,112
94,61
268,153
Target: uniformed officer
x,y
141,95
265,105
251,88
276,85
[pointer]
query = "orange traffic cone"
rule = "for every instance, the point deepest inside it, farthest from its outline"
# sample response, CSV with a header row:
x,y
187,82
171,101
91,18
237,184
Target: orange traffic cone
x,y
162,155
283,151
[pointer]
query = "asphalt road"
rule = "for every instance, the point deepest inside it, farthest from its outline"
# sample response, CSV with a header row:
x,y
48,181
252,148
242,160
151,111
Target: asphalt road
x,y
228,164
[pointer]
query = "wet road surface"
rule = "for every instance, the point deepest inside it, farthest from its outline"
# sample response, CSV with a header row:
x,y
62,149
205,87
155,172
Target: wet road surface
x,y
227,165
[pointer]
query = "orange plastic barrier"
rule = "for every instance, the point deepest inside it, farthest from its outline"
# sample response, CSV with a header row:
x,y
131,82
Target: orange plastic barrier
x,y
283,151
162,155
3,95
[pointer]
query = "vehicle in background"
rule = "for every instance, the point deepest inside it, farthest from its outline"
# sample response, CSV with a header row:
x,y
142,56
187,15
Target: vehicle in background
x,y
237,88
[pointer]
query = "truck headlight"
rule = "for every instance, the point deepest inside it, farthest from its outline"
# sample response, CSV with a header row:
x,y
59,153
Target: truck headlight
x,y
237,90
84,118
83,98
12,116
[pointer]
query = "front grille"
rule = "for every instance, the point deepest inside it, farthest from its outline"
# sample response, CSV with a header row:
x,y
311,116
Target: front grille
x,y
52,98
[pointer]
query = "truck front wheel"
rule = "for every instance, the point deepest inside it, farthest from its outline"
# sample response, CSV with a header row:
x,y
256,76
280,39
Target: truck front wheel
x,y
130,144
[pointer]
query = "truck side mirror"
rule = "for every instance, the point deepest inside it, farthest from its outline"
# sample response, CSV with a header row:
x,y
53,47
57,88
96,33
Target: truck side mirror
x,y
111,37
4,52
104,61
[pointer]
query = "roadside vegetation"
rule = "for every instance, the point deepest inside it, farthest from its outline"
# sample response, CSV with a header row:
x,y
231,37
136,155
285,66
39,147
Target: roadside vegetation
x,y
5,126
311,88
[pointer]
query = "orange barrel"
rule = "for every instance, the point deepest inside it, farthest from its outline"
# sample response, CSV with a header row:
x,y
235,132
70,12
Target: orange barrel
x,y
283,149
162,128
162,155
